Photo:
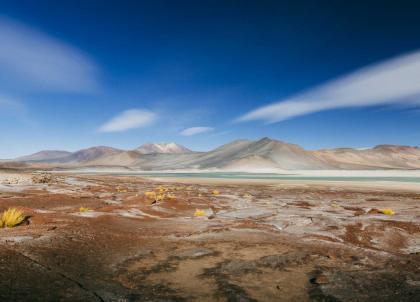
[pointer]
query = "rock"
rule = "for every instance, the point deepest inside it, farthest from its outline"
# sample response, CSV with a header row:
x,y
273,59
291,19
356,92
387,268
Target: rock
x,y
193,253
292,223
320,279
11,181
374,211
112,202
42,178
281,261
17,239
252,213
238,267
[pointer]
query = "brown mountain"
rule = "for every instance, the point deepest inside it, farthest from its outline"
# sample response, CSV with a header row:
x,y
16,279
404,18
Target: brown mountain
x,y
44,155
250,155
78,157
379,157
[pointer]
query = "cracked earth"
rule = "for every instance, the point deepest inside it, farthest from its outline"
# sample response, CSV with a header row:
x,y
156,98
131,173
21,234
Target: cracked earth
x,y
254,242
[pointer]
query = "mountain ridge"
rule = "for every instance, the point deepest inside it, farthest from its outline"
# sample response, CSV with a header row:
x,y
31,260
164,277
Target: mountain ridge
x,y
151,148
45,154
261,154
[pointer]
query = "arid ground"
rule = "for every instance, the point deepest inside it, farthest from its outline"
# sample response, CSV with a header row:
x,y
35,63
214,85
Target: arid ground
x,y
279,241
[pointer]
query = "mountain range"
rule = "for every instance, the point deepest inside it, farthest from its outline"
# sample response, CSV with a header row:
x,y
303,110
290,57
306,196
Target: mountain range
x,y
162,148
239,155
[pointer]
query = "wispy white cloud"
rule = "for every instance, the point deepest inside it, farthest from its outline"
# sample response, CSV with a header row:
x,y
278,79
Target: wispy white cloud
x,y
129,119
8,103
195,130
31,59
14,107
395,81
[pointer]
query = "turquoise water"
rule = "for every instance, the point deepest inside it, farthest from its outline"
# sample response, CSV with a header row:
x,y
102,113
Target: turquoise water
x,y
271,176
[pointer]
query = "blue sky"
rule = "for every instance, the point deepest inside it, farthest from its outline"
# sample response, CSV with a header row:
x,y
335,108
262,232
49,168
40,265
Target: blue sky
x,y
202,73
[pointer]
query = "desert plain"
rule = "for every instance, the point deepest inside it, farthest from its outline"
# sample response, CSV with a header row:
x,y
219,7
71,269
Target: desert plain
x,y
122,238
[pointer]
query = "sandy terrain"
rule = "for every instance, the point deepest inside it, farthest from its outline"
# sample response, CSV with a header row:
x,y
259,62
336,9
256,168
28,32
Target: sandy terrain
x,y
283,241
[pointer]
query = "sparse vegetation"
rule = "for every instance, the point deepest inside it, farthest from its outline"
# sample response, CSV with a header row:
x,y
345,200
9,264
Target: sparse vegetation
x,y
160,194
161,189
387,212
171,197
150,195
12,217
199,213
121,190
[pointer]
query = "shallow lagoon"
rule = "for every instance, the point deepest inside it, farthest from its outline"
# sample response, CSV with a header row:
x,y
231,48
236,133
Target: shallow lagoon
x,y
268,176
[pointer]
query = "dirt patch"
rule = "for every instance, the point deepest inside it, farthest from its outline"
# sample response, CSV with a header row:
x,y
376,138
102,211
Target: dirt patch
x,y
258,243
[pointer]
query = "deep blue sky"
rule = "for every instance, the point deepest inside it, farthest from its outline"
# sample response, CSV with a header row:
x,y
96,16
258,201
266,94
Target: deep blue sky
x,y
200,64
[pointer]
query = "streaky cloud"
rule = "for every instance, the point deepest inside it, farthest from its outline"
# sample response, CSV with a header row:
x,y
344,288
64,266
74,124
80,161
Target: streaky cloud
x,y
129,119
16,108
11,103
195,130
395,81
33,60
6,101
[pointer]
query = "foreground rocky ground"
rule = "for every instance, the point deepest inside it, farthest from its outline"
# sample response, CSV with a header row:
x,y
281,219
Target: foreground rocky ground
x,y
98,238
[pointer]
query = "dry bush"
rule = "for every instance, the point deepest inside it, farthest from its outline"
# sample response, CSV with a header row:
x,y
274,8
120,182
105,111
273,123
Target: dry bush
x,y
12,217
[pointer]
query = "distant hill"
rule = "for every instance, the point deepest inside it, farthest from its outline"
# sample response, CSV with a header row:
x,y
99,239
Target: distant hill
x,y
239,155
152,148
44,155
13,165
379,157
80,156
90,154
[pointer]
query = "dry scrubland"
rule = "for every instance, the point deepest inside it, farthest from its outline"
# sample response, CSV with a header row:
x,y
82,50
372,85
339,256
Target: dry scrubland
x,y
103,238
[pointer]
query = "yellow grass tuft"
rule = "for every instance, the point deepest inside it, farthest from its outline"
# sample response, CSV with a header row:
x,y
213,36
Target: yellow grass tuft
x,y
83,209
335,205
387,212
121,190
161,195
12,217
161,189
171,197
150,195
199,213
216,192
